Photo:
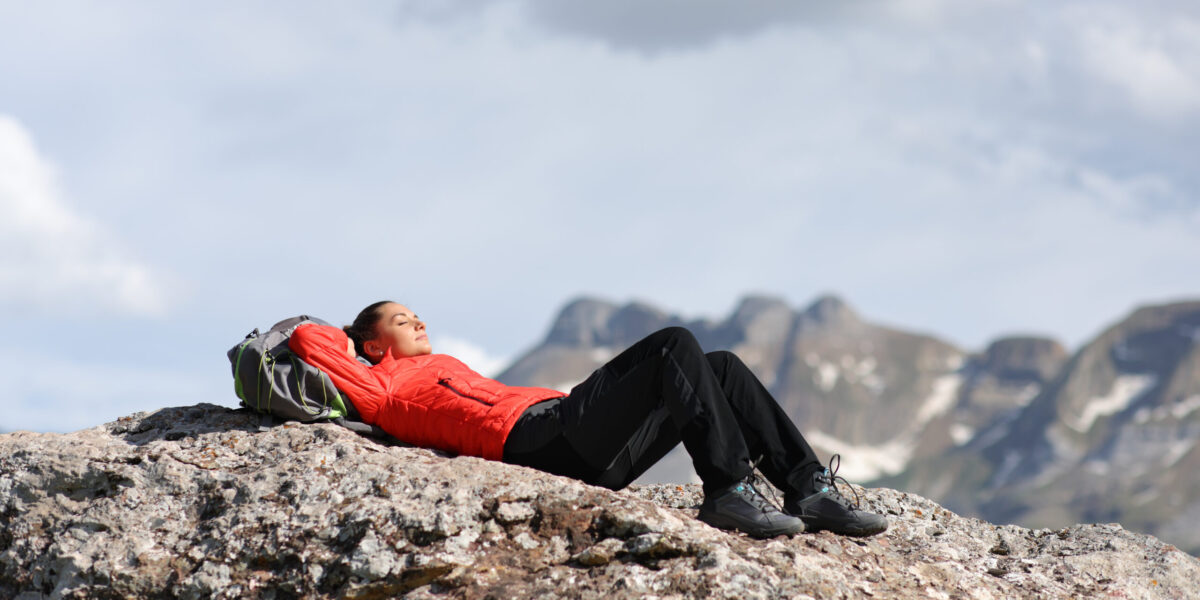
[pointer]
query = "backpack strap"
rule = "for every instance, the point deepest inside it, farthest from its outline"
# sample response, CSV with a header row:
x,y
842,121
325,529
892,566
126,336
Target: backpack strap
x,y
361,428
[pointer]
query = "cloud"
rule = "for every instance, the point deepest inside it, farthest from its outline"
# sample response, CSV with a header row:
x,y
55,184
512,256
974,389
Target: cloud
x,y
53,258
657,26
53,393
669,24
961,155
1155,65
472,355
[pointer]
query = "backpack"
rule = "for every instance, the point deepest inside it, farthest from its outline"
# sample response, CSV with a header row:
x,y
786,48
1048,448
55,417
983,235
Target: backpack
x,y
272,381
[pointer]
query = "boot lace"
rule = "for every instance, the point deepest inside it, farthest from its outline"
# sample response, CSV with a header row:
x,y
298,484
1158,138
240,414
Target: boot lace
x,y
829,478
749,492
757,479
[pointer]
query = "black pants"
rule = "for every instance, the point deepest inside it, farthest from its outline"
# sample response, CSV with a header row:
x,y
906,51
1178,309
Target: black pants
x,y
662,390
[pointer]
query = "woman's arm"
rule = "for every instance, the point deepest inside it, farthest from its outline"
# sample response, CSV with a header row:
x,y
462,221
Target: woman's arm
x,y
325,348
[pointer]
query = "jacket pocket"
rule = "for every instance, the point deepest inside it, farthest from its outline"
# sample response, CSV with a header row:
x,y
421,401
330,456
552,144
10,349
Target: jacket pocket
x,y
445,382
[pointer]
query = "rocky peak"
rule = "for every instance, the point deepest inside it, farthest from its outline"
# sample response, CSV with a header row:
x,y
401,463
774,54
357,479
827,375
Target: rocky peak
x,y
197,502
757,320
1036,359
1153,337
589,323
580,322
754,307
633,321
1113,436
829,312
1127,367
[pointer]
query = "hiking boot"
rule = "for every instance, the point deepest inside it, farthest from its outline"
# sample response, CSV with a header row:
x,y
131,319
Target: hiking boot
x,y
829,510
741,507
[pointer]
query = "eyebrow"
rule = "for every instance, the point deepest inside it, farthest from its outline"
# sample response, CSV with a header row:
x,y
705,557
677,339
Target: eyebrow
x,y
402,314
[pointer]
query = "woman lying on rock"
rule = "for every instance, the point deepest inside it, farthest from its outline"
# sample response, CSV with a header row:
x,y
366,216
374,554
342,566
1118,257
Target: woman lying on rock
x,y
608,431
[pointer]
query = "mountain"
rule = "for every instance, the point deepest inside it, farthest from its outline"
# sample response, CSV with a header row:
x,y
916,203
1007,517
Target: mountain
x,y
200,502
1112,438
1020,431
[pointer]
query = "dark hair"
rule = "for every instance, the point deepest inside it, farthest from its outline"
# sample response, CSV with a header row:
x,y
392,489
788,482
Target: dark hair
x,y
363,327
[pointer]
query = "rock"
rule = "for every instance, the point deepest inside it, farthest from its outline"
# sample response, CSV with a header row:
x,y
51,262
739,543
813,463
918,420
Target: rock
x,y
195,502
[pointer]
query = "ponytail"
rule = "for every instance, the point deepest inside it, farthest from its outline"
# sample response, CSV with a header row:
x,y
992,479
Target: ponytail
x,y
363,327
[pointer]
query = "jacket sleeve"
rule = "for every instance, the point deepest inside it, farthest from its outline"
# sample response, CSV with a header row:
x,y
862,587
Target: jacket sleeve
x,y
324,347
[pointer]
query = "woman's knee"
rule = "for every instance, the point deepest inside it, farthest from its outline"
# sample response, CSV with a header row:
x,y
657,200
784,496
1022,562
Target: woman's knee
x,y
676,336
723,360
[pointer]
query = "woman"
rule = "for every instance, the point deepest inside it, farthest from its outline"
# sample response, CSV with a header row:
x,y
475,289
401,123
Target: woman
x,y
608,431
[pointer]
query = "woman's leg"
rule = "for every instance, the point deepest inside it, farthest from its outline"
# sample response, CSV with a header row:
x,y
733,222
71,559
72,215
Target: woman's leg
x,y
810,491
772,439
626,417
629,413
633,410
538,441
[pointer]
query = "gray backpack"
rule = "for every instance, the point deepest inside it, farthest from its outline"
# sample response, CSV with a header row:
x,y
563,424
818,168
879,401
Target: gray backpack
x,y
272,381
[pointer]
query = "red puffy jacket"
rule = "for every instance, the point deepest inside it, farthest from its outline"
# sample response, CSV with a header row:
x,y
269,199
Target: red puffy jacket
x,y
432,401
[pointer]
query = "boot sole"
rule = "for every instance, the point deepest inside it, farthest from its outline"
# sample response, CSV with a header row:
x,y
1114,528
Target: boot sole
x,y
721,522
848,530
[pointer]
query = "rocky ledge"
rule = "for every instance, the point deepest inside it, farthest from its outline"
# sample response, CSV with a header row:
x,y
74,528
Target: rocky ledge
x,y
196,502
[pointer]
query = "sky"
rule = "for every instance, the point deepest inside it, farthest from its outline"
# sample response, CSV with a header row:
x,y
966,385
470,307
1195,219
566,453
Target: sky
x,y
174,174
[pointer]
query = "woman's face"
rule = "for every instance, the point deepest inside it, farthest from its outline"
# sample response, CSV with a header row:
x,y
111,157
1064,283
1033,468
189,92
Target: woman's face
x,y
400,331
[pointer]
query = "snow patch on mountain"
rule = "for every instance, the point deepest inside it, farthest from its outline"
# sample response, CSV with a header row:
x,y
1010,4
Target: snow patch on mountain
x,y
941,399
961,433
864,462
1028,393
850,368
1186,407
825,376
1124,391
1178,410
1177,450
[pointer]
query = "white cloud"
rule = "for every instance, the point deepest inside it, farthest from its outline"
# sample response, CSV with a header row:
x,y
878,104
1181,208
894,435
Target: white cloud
x,y
51,393
661,26
53,258
1147,62
473,355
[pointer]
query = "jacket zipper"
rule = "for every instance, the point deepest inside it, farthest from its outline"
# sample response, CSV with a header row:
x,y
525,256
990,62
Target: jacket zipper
x,y
446,383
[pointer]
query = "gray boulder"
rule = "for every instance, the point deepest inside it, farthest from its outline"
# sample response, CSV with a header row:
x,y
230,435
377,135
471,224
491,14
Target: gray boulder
x,y
197,502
